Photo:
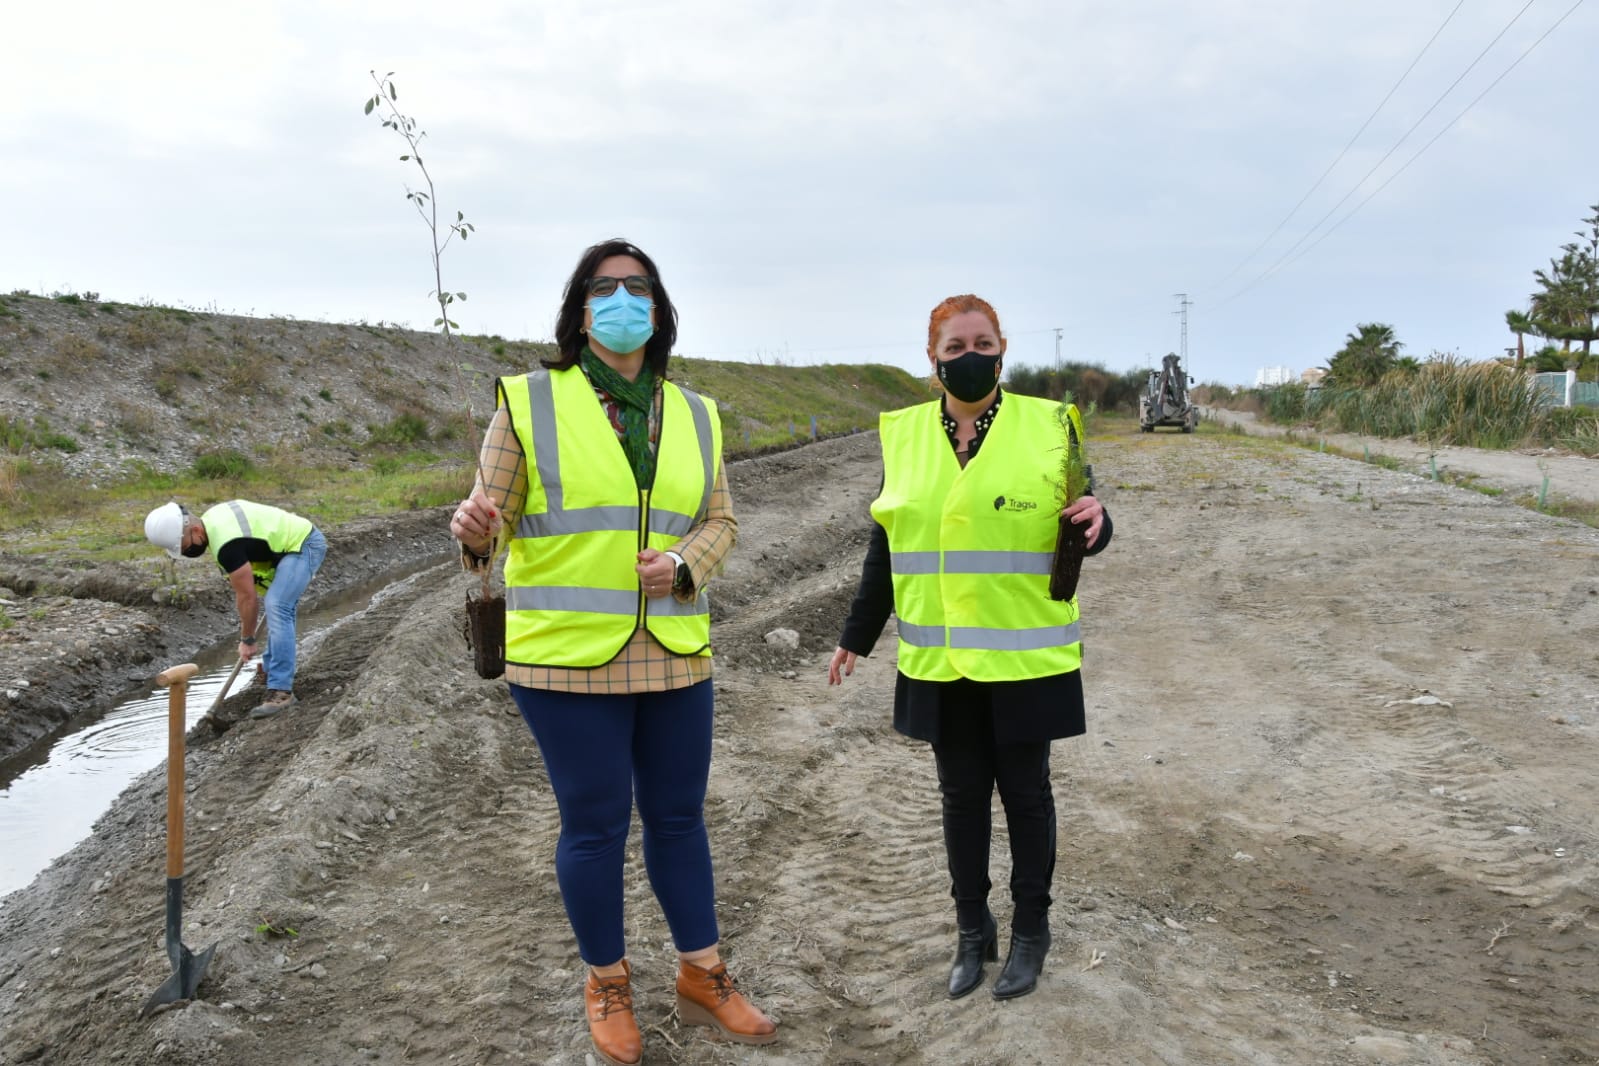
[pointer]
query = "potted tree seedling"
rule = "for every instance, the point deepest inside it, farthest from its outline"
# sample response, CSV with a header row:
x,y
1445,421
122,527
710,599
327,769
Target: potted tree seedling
x,y
1074,482
484,626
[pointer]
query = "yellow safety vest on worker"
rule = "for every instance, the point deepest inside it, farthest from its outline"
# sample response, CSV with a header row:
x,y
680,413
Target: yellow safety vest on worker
x,y
572,594
971,548
284,531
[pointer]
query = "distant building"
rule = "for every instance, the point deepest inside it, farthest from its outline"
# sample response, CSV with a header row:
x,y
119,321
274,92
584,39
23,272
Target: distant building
x,y
1268,376
1313,377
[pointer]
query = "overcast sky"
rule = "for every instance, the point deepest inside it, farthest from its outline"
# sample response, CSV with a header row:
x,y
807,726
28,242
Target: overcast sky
x,y
813,177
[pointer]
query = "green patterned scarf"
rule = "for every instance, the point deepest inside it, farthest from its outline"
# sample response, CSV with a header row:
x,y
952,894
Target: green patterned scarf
x,y
634,399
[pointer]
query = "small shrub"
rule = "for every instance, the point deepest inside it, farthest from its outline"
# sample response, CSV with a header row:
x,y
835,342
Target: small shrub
x,y
408,427
245,375
72,351
337,428
144,330
138,424
325,394
223,464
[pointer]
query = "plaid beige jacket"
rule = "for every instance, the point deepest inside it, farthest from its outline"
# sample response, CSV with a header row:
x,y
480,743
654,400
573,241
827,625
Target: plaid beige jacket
x,y
642,665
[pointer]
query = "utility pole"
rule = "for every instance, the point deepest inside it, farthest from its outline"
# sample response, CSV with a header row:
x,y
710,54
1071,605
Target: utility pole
x,y
1183,304
1057,348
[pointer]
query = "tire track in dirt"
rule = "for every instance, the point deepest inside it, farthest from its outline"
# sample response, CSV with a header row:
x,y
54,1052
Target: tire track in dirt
x,y
1342,808
1249,841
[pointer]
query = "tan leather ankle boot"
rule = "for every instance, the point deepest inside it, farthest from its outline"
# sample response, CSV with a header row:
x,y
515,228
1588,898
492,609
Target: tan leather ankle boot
x,y
608,1001
707,997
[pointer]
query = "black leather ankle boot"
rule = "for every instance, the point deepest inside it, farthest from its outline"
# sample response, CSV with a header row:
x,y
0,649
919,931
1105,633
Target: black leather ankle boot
x,y
1023,963
973,947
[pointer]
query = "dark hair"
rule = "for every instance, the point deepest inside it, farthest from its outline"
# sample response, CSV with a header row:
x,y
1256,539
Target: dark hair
x,y
569,338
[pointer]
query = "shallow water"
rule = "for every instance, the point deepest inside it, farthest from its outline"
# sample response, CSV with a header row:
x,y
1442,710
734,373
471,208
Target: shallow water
x,y
53,792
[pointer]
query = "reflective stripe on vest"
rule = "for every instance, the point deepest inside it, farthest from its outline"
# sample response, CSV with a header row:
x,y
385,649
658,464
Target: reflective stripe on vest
x,y
283,531
572,593
970,548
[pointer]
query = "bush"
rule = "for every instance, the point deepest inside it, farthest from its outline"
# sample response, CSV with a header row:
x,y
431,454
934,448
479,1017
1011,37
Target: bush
x,y
1286,403
1088,384
223,464
408,427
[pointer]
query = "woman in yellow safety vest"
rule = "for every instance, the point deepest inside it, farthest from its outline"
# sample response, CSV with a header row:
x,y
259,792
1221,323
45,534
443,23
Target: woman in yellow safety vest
x,y
608,480
966,523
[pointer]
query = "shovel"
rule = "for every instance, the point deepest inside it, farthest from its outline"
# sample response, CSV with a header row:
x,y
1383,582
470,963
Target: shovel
x,y
187,968
210,716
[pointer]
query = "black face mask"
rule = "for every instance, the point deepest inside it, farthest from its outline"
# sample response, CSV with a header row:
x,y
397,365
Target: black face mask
x,y
194,551
970,376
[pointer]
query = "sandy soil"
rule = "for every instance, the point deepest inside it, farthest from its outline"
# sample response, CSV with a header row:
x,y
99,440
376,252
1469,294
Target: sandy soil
x,y
1334,807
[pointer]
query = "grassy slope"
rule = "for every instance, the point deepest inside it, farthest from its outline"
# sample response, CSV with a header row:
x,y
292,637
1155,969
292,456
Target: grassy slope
x,y
763,406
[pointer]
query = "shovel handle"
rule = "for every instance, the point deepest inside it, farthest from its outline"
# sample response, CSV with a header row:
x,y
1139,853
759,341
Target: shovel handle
x,y
175,680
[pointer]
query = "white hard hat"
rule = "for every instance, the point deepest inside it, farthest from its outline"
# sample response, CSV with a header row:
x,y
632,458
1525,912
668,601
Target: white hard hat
x,y
164,528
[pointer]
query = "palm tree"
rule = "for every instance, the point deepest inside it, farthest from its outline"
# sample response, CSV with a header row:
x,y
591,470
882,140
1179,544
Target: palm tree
x,y
1368,353
1520,324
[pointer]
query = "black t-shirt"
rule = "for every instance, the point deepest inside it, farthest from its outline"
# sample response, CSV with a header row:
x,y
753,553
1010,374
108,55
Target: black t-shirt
x,y
242,551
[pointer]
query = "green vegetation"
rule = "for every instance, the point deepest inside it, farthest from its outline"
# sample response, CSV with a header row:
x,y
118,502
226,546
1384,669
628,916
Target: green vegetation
x,y
1443,401
17,436
765,406
1566,305
1089,383
408,427
224,464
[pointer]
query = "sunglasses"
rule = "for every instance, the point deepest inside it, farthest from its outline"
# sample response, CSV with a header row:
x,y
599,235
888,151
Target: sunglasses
x,y
637,284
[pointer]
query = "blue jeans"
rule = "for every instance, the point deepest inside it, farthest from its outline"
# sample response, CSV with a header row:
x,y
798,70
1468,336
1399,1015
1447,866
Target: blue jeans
x,y
602,752
282,604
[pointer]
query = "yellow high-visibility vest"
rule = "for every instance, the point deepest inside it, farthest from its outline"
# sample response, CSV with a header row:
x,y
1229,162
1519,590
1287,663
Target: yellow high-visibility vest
x,y
572,595
284,531
971,547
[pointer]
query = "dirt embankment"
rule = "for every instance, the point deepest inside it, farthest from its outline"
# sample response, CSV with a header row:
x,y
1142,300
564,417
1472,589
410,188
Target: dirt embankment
x,y
1334,807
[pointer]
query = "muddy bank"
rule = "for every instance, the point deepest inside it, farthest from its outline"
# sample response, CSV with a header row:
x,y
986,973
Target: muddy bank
x,y
83,638
1333,808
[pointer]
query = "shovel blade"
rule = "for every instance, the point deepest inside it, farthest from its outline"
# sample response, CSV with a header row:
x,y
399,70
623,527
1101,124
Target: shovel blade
x,y
184,982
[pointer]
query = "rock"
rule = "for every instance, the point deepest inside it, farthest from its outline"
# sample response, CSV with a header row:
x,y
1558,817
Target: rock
x,y
1384,1048
783,638
317,971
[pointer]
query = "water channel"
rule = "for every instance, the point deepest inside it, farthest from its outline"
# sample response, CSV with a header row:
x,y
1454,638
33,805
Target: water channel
x,y
53,792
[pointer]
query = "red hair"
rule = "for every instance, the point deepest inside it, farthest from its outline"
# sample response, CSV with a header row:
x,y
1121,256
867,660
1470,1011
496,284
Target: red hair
x,y
959,305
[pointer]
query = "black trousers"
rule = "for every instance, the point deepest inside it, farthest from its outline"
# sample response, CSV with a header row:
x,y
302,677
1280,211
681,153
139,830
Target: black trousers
x,y
970,765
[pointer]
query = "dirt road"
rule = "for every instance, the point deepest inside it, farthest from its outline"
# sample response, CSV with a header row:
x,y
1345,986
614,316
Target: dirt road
x,y
1522,473
1335,806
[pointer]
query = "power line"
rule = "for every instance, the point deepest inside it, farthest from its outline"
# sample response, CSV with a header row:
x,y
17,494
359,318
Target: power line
x,y
1330,167
1263,275
1446,128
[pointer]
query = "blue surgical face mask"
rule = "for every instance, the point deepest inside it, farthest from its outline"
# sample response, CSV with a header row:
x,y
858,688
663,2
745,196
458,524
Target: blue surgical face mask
x,y
621,321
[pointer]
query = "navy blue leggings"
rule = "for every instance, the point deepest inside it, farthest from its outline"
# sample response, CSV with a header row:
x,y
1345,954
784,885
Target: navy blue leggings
x,y
602,752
